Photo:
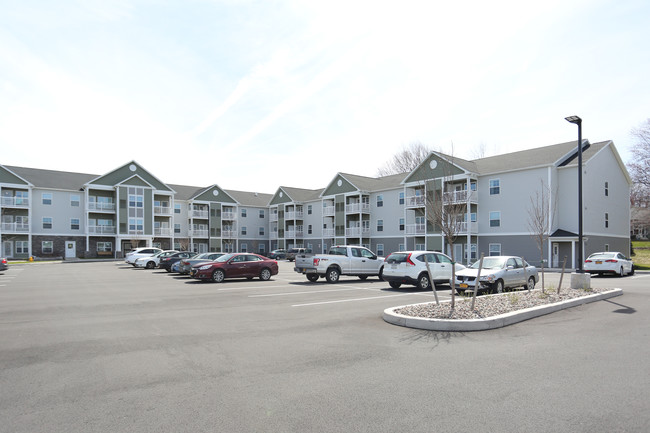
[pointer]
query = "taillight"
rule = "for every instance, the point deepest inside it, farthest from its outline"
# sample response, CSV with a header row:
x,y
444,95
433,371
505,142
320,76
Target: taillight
x,y
611,261
587,261
408,260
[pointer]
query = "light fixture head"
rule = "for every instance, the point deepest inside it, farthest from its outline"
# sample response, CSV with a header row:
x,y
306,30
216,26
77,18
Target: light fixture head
x,y
573,119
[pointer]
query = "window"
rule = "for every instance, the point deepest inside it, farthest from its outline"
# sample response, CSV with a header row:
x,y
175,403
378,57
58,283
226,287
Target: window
x,y
606,220
606,189
380,225
243,213
104,246
177,208
495,186
243,230
136,225
47,222
75,200
309,229
401,224
244,248
380,200
380,249
47,198
495,219
400,247
472,252
47,247
262,248
261,231
606,247
401,197
495,250
261,213
22,247
74,224
177,228
419,247
309,209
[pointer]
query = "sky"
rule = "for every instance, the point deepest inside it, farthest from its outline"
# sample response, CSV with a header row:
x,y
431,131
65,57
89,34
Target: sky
x,y
254,95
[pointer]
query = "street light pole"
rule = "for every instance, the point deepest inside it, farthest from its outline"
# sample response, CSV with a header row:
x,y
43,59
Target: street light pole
x,y
578,121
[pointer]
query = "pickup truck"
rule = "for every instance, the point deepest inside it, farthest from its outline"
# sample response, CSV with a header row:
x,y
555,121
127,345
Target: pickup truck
x,y
341,260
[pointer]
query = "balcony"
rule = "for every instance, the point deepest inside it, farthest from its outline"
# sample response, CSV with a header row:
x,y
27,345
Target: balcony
x,y
198,233
299,233
293,215
416,229
162,210
357,208
229,234
328,233
328,211
467,228
19,202
95,206
415,201
357,232
15,227
196,213
101,230
463,196
228,215
164,232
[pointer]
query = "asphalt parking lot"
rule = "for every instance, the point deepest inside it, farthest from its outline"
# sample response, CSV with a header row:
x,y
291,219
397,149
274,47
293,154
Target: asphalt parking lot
x,y
98,347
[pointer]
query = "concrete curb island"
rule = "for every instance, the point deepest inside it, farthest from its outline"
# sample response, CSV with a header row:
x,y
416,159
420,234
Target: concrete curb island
x,y
462,325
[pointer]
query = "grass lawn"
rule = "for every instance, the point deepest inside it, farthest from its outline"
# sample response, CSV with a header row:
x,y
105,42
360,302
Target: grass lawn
x,y
641,255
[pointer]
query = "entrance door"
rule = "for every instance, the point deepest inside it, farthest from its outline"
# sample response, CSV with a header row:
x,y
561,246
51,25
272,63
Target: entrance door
x,y
556,255
7,249
70,249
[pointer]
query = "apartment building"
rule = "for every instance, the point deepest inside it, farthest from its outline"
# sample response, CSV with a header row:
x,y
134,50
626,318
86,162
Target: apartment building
x,y
58,214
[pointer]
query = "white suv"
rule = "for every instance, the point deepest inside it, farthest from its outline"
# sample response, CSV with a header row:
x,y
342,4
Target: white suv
x,y
136,253
409,267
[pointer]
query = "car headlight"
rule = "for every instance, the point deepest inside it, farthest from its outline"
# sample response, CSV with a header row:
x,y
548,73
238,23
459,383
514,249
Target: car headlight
x,y
203,268
488,278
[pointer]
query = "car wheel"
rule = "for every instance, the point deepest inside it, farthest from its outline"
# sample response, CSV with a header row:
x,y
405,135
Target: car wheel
x,y
265,275
423,282
395,284
312,277
332,275
150,265
218,276
621,272
381,274
498,286
168,269
531,284
632,270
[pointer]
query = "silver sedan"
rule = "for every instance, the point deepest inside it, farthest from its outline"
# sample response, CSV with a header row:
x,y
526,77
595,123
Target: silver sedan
x,y
497,274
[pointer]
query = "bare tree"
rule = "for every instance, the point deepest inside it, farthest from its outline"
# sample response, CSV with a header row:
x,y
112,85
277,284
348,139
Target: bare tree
x,y
640,165
445,211
540,219
406,160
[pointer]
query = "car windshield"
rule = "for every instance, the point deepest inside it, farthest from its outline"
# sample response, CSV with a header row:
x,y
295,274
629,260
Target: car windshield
x,y
601,256
225,258
490,263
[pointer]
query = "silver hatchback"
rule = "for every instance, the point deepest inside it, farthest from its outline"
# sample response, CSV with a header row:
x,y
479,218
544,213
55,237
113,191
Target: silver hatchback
x,y
498,273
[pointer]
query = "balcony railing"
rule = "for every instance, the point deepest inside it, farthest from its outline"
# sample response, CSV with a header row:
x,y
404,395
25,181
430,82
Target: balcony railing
x,y
328,211
162,210
460,197
101,230
198,233
294,233
464,227
357,231
95,206
328,233
416,229
227,215
15,227
163,232
357,207
200,214
229,234
415,201
15,202
293,215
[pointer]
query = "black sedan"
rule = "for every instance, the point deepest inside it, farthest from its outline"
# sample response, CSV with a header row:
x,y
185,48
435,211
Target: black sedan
x,y
167,262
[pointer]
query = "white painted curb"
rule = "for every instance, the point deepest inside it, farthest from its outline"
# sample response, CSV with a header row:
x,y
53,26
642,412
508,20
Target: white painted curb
x,y
499,321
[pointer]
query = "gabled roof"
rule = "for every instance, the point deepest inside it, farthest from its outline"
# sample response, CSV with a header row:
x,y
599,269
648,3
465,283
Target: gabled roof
x,y
302,195
345,182
127,171
539,157
52,179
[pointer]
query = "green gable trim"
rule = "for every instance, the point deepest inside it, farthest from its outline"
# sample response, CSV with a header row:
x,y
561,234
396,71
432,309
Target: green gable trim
x,y
433,167
339,185
127,171
215,194
8,177
280,197
136,181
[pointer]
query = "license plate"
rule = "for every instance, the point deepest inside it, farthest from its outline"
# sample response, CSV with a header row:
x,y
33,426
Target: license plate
x,y
463,286
598,262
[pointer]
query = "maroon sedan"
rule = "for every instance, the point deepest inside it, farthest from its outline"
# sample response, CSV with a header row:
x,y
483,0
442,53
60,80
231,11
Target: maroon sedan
x,y
236,265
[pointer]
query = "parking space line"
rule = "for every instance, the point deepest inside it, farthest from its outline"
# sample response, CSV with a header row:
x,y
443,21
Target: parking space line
x,y
246,288
302,293
351,300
